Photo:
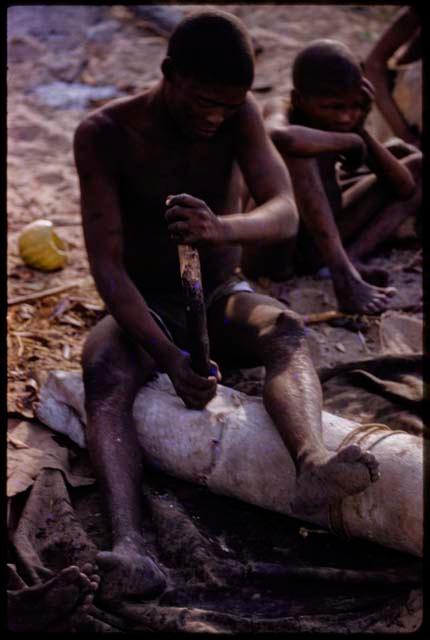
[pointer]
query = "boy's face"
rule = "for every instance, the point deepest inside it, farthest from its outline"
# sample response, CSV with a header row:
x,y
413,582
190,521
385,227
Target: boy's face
x,y
338,112
200,108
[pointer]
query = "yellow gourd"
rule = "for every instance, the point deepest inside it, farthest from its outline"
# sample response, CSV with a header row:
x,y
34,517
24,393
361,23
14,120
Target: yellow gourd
x,y
41,248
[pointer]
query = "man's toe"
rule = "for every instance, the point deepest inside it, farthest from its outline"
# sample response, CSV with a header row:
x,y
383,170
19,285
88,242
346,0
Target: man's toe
x,y
351,453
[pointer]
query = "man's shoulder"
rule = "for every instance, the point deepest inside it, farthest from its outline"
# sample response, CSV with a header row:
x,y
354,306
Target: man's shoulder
x,y
95,126
108,119
97,137
250,107
248,116
102,120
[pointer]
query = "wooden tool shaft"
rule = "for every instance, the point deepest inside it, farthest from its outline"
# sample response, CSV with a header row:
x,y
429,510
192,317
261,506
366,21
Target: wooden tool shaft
x,y
198,341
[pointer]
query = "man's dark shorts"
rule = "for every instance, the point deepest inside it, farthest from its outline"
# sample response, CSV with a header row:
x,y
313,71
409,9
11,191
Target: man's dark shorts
x,y
169,313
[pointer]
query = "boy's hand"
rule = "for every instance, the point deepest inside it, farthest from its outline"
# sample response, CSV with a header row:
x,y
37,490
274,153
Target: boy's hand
x,y
368,96
368,91
190,221
355,156
196,391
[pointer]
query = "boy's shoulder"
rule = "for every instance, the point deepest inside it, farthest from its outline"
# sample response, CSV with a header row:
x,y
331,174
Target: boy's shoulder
x,y
276,105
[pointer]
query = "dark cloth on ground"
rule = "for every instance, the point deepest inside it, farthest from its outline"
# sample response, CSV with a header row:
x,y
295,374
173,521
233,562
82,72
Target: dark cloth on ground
x,y
387,390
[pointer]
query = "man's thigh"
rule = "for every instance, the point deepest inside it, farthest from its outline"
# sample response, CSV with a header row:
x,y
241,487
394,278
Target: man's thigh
x,y
112,359
236,325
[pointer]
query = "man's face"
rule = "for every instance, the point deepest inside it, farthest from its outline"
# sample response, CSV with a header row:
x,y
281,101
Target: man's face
x,y
338,112
199,108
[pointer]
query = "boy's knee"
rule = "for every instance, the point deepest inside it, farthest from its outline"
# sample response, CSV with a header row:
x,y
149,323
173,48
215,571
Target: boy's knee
x,y
298,164
293,221
414,163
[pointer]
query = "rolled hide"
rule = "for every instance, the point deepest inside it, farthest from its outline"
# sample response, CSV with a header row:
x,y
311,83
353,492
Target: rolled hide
x,y
233,448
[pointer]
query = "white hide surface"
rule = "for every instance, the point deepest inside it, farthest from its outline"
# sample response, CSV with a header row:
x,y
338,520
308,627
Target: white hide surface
x,y
234,449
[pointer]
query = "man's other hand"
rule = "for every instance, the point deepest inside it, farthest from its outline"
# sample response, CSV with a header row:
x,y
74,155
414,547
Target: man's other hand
x,y
196,391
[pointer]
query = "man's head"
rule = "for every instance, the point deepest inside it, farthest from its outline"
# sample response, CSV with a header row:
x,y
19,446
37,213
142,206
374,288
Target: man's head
x,y
208,70
327,85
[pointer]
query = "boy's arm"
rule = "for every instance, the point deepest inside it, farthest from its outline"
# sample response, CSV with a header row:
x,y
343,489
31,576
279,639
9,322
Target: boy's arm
x,y
402,28
299,141
387,167
305,142
378,158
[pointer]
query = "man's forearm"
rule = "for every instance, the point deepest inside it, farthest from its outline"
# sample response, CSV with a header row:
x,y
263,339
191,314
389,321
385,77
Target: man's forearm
x,y
274,221
130,310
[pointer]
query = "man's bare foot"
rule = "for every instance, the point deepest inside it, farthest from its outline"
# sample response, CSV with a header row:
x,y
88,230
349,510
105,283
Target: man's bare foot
x,y
354,295
331,478
129,571
34,608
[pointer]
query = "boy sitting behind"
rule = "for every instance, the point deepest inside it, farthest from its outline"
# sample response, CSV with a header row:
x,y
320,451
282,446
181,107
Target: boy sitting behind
x,y
322,126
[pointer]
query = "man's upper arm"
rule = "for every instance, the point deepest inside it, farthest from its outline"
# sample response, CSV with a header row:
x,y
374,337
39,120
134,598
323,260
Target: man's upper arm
x,y
100,207
261,164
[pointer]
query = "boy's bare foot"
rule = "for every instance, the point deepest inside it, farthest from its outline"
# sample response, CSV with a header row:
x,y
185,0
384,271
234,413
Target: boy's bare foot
x,y
373,275
354,295
127,571
331,478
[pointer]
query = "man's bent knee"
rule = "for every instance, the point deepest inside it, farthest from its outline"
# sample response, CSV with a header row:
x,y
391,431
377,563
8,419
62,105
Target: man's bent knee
x,y
283,338
112,366
285,323
105,379
290,323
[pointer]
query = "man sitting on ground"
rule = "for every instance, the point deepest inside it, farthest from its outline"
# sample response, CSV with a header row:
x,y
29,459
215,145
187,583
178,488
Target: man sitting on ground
x,y
181,144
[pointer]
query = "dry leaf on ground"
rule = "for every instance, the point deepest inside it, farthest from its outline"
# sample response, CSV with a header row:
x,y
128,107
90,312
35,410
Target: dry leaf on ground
x,y
401,333
31,448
